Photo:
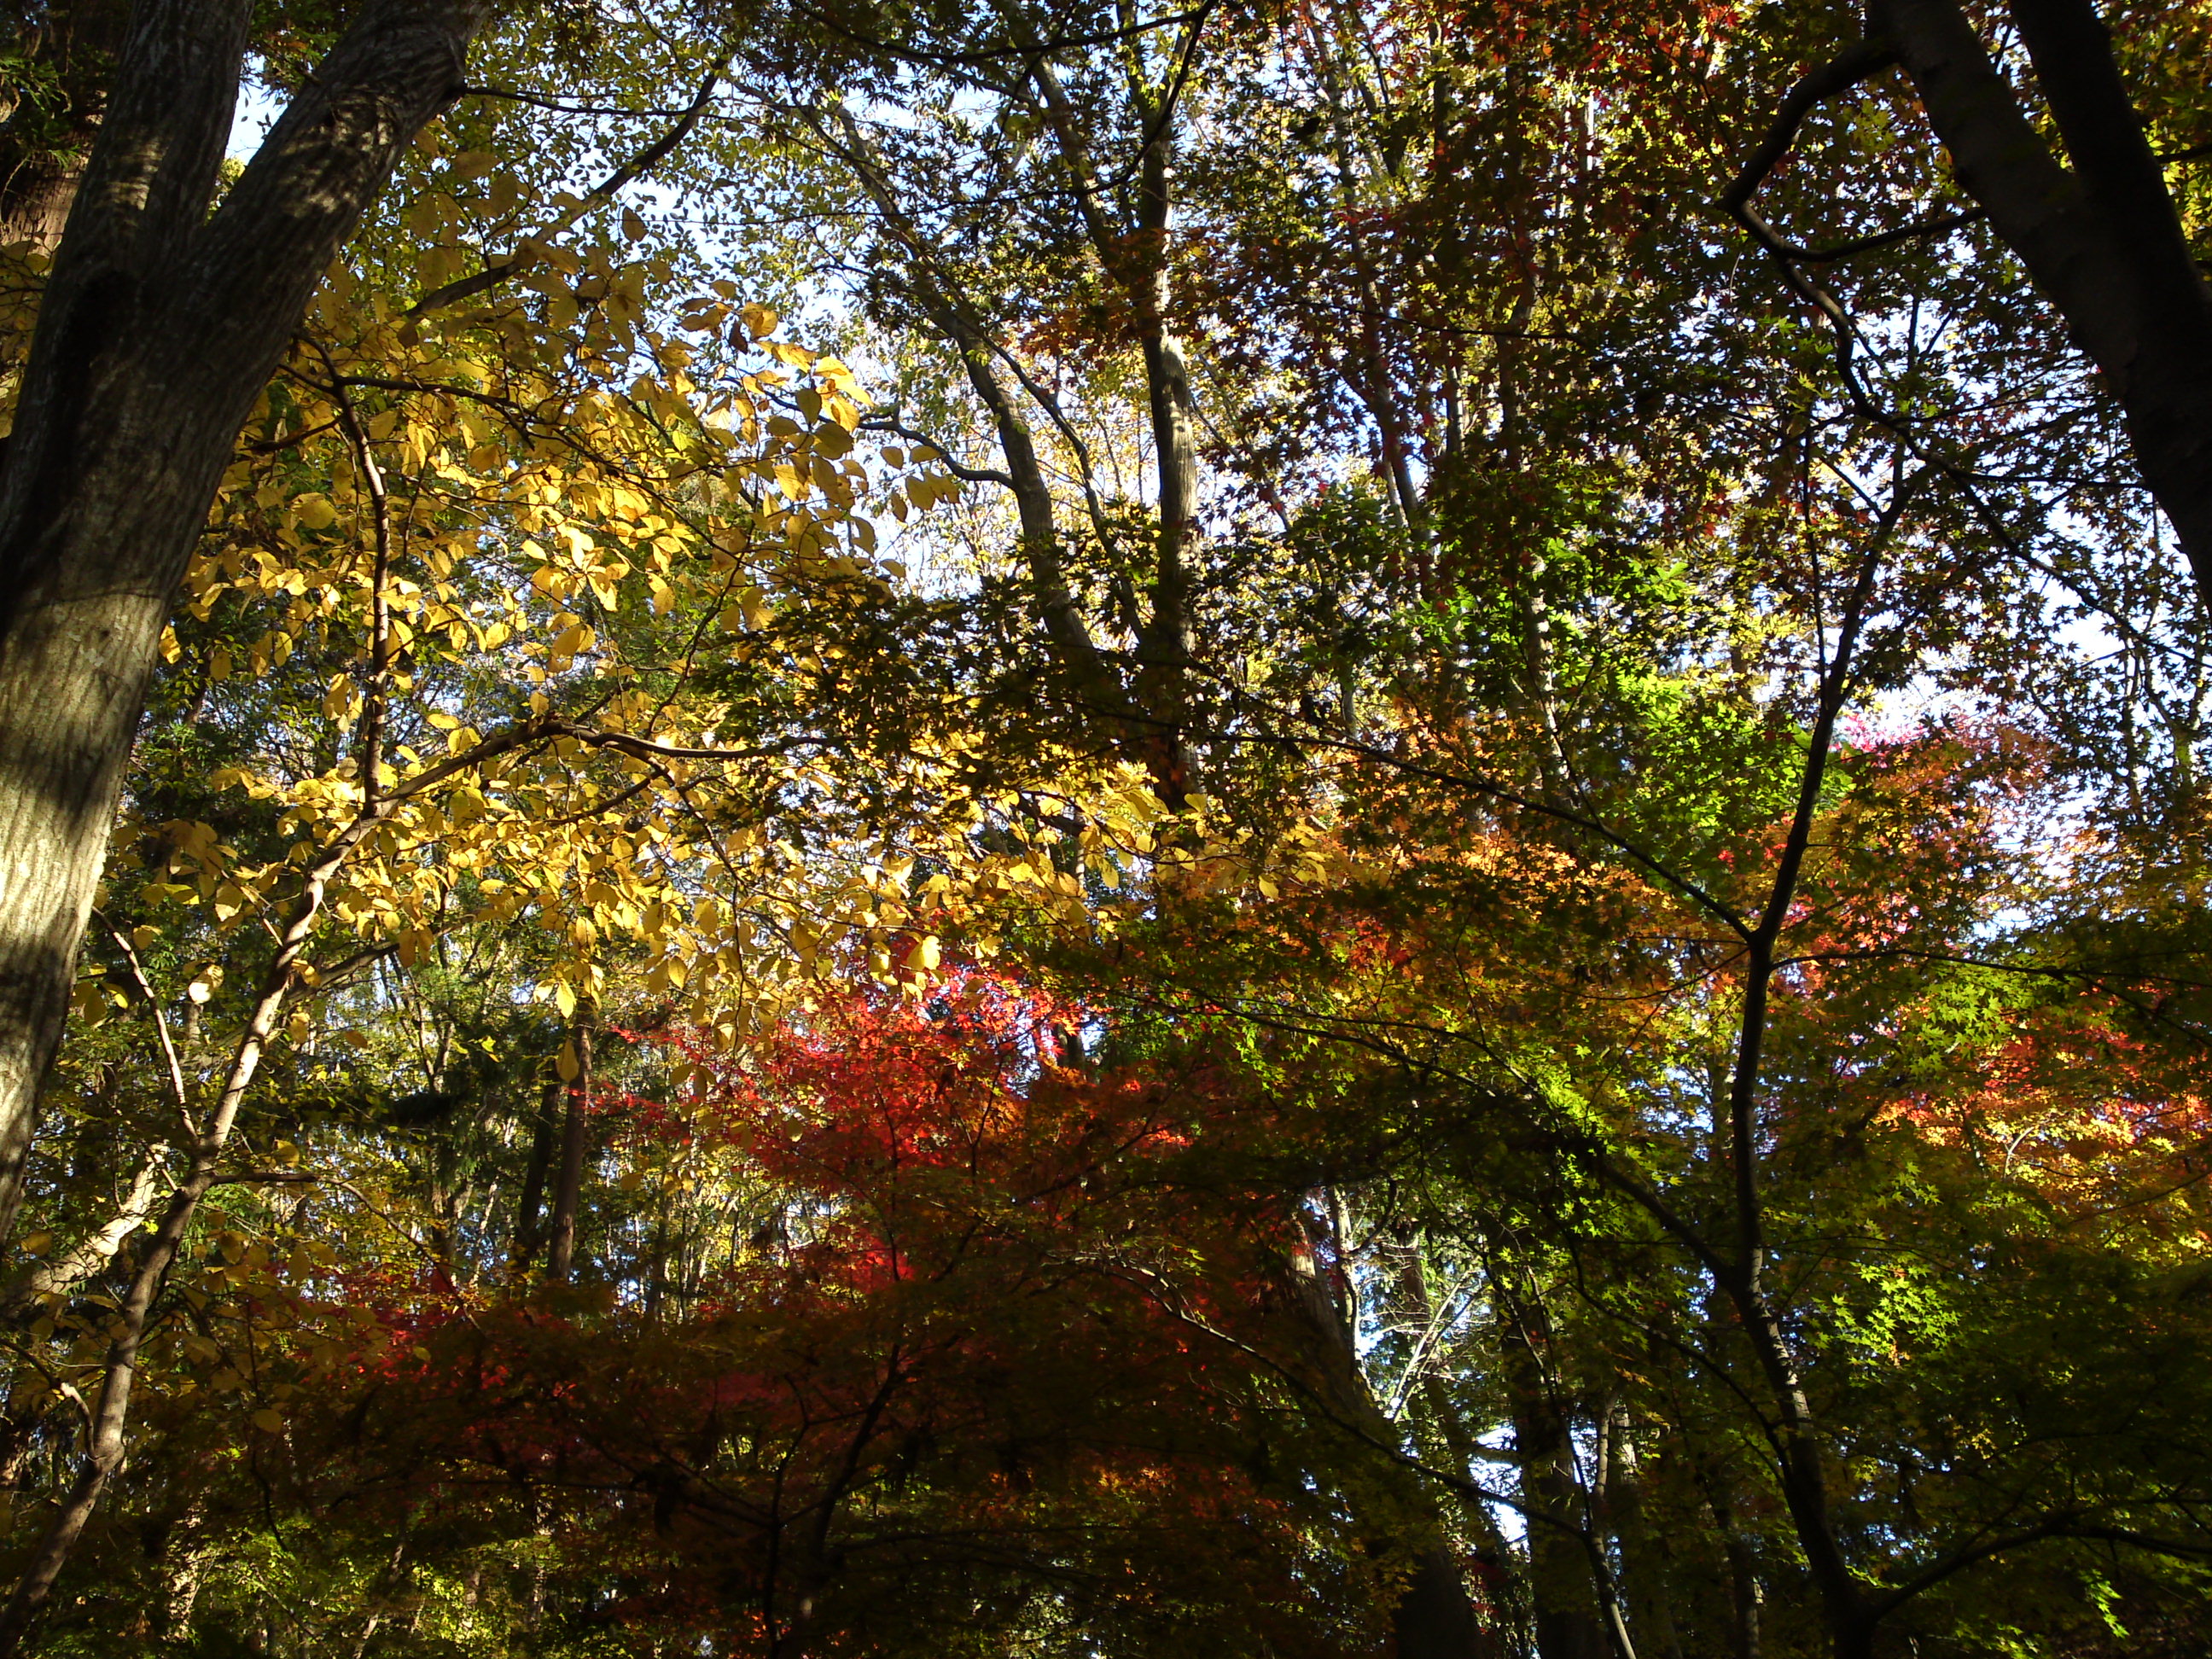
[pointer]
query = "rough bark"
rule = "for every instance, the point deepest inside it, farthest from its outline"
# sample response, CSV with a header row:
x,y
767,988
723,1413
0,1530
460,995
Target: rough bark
x,y
44,148
110,1415
159,326
2101,238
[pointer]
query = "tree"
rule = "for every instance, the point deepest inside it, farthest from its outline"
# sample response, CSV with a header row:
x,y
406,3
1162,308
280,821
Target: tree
x,y
2101,232
158,329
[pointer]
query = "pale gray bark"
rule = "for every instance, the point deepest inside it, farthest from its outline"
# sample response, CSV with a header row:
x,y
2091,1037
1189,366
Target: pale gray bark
x,y
936,296
159,326
62,1271
1133,252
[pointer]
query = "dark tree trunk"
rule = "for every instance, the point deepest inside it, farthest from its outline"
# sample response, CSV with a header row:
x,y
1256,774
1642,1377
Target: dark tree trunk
x,y
569,1189
1644,1564
1562,1596
2101,238
47,137
159,327
530,1204
1434,1617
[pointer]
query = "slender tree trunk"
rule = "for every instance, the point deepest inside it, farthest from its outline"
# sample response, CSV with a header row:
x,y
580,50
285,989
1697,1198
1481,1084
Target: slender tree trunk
x,y
1091,678
1745,1596
1644,1574
569,1189
65,1270
529,1206
1164,649
185,1552
159,326
1564,1599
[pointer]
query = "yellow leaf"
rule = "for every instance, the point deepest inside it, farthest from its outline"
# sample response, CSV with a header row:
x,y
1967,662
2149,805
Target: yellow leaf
x,y
566,1063
268,1421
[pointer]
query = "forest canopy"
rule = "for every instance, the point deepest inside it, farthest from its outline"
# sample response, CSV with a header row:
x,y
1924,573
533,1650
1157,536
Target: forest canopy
x,y
836,829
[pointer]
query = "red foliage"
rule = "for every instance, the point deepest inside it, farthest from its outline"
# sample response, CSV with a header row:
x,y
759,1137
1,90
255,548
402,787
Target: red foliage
x,y
983,1335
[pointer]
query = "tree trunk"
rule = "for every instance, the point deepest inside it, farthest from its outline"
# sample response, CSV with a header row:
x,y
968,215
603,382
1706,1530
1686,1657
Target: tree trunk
x,y
1746,1597
569,1189
1164,648
2102,239
44,148
530,1205
159,328
1643,1576
1562,1595
107,1419
1433,1617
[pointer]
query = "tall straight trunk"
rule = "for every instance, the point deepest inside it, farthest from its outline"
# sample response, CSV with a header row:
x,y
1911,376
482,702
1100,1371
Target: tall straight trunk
x,y
530,1204
569,1189
1563,1598
159,326
1746,1597
1164,649
1643,1576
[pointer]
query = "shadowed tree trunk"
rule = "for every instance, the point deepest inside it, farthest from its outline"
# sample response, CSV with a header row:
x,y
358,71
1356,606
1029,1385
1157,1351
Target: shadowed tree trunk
x,y
1434,1618
1643,1567
569,1187
530,1204
46,136
2101,237
1567,1619
2098,231
159,327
